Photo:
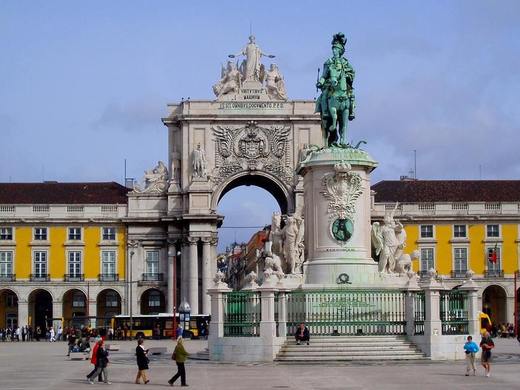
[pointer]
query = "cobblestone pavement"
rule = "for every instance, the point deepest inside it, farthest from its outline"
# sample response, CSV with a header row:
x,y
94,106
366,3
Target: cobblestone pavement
x,y
44,366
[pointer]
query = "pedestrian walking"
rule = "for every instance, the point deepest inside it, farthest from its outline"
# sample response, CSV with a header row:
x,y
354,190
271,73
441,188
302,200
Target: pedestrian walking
x,y
93,360
101,363
179,355
142,362
470,348
487,345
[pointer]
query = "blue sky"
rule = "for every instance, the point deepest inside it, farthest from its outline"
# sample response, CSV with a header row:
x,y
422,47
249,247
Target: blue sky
x,y
83,85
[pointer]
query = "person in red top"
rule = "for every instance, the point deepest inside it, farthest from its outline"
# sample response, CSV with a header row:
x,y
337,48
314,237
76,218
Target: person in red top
x,y
487,345
93,359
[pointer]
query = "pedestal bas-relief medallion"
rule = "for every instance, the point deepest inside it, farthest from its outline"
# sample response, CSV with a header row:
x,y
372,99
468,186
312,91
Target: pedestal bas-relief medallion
x,y
342,188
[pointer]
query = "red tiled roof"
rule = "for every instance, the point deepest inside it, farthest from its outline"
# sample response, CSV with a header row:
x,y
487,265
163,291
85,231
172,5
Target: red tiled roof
x,y
415,191
63,193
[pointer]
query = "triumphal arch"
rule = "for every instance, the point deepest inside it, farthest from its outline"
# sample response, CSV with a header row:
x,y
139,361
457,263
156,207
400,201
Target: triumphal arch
x,y
250,134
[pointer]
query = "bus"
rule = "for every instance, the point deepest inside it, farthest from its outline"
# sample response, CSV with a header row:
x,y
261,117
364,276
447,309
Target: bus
x,y
159,325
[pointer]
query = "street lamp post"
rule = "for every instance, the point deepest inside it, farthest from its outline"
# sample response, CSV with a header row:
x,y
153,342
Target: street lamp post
x,y
132,245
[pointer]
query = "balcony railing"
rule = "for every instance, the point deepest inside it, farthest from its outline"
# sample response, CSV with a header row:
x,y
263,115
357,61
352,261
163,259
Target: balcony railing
x,y
152,277
459,274
494,273
7,278
40,277
422,274
74,277
108,277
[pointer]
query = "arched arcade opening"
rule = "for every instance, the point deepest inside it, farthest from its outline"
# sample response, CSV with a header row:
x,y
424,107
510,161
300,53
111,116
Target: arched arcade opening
x,y
153,301
40,310
108,303
75,309
494,304
8,309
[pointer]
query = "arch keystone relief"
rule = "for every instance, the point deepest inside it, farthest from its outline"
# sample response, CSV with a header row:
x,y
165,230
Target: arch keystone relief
x,y
252,148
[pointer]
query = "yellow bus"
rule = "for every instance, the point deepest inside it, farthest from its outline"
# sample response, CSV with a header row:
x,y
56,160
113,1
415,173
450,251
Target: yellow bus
x,y
158,325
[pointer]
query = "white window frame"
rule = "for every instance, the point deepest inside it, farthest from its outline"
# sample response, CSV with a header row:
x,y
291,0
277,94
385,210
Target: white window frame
x,y
35,251
433,258
84,301
499,230
102,262
147,261
493,266
103,233
69,253
69,233
11,252
465,231
107,301
149,300
47,232
454,264
12,233
433,232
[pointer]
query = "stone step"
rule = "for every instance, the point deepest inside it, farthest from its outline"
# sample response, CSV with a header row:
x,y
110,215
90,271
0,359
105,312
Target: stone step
x,y
347,353
349,348
311,348
350,342
315,359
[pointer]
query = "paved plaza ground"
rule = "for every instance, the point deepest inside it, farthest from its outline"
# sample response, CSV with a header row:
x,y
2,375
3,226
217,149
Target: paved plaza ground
x,y
44,366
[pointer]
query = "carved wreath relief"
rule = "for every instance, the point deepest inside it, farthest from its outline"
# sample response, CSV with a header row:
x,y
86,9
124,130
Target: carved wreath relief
x,y
251,148
342,189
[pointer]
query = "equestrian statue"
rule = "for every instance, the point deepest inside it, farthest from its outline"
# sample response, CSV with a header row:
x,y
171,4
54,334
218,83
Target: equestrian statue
x,y
336,102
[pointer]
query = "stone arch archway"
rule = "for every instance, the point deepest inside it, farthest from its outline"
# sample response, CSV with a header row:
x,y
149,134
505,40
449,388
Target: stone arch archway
x,y
494,303
40,309
8,308
283,195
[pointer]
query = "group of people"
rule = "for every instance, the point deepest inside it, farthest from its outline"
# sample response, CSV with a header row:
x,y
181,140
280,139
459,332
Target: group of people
x,y
27,333
471,348
100,360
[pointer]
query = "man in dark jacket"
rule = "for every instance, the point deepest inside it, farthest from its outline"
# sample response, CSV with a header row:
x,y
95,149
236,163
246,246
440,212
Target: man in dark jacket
x,y
302,334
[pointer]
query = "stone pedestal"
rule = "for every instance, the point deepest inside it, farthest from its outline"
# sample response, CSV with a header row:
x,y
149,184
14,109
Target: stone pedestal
x,y
337,217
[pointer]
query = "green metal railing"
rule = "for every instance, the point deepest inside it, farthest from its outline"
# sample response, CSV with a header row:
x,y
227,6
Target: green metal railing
x,y
419,312
454,312
242,314
347,312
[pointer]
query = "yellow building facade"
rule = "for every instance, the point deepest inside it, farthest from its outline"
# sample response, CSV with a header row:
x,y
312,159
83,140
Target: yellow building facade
x,y
461,226
63,256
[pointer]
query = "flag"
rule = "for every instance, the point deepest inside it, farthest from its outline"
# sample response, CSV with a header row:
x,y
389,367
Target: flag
x,y
492,255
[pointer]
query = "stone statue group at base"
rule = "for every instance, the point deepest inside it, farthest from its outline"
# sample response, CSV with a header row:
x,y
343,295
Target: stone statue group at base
x,y
388,242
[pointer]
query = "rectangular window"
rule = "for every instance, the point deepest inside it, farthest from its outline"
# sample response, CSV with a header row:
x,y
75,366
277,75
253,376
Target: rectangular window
x,y
6,263
459,231
78,300
108,262
493,259
426,231
427,261
152,262
75,264
6,233
461,260
40,234
493,231
40,264
109,234
74,233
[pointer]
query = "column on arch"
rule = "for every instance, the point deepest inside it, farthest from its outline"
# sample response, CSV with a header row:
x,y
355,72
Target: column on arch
x,y
193,278
172,257
206,274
